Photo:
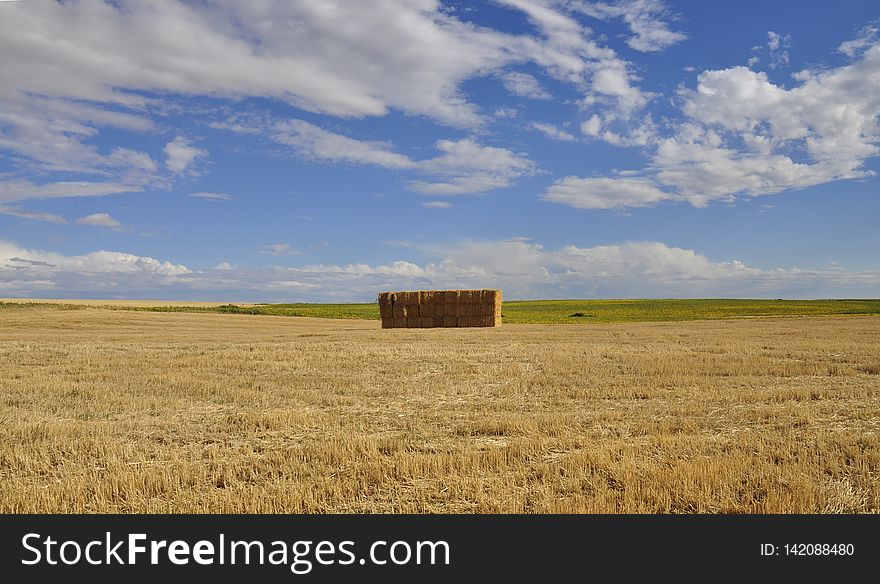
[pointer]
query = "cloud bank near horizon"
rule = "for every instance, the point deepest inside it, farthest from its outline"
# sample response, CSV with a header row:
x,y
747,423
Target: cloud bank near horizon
x,y
522,268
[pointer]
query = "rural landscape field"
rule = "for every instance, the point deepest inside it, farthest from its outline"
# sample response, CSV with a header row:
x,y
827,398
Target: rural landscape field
x,y
635,407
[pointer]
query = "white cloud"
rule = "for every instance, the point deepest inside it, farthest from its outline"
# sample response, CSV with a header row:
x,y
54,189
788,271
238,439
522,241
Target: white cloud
x,y
470,168
867,37
464,166
313,142
553,132
72,69
99,220
208,196
25,272
570,55
522,268
49,133
437,204
20,190
636,132
279,249
776,49
35,215
738,105
592,126
180,155
745,135
614,80
307,54
505,113
777,46
646,20
524,85
604,193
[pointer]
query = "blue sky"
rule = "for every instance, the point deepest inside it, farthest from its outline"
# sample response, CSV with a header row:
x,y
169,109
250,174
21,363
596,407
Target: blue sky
x,y
303,151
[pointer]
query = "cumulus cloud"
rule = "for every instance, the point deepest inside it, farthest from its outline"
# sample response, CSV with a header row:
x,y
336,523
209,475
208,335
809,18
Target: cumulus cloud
x,y
604,193
106,274
742,134
180,155
746,127
521,267
99,220
553,132
437,204
647,21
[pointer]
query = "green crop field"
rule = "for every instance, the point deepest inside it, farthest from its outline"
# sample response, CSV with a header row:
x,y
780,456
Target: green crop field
x,y
553,311
607,311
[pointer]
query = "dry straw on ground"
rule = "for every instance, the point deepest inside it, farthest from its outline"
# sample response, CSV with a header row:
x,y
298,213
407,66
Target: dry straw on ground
x,y
440,308
105,411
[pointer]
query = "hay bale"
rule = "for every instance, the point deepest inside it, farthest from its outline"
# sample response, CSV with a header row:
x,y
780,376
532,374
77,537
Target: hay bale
x,y
440,308
384,306
426,308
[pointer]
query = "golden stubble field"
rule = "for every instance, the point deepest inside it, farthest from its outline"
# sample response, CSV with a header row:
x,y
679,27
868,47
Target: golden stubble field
x,y
112,411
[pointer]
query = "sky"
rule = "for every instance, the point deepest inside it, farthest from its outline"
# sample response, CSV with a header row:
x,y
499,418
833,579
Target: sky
x,y
300,151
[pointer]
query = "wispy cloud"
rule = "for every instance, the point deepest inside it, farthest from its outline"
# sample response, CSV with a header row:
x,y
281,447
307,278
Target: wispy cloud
x,y
524,85
20,190
208,196
553,132
647,21
605,193
99,220
279,249
868,36
462,167
35,215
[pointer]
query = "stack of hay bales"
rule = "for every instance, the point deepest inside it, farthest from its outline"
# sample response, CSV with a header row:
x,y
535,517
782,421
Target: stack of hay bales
x,y
440,308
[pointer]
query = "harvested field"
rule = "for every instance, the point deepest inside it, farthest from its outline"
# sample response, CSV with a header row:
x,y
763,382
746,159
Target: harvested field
x,y
119,411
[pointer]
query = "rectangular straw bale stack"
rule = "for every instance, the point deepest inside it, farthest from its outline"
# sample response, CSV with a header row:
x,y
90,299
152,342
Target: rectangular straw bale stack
x,y
440,308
